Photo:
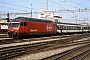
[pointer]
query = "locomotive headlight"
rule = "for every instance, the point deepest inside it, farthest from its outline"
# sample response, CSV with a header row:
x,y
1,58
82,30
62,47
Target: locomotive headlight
x,y
11,30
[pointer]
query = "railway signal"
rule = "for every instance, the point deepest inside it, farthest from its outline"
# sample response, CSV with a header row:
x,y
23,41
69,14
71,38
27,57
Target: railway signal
x,y
7,17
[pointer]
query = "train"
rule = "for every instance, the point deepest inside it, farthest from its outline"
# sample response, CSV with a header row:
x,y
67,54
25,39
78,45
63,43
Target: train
x,y
24,26
72,28
3,27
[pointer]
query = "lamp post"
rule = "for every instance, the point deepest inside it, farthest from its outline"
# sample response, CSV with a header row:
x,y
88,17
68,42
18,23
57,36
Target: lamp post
x,y
31,9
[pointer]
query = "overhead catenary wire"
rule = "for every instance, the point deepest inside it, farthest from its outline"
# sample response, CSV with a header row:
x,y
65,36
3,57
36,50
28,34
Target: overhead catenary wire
x,y
41,3
35,2
17,5
58,5
77,3
14,5
13,8
80,5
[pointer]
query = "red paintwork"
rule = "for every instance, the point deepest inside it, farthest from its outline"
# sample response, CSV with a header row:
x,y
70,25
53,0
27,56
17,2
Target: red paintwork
x,y
33,27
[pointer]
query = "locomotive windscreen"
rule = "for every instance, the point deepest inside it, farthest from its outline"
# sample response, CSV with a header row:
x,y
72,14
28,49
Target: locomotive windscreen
x,y
14,24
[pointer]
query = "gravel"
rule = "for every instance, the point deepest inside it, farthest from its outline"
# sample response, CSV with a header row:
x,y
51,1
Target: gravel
x,y
38,56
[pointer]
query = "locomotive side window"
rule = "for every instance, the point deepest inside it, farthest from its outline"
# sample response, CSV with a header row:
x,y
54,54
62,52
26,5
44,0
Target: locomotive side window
x,y
23,24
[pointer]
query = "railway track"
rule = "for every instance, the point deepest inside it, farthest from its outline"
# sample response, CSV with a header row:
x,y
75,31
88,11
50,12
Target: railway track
x,y
81,56
3,34
10,40
12,51
74,54
62,37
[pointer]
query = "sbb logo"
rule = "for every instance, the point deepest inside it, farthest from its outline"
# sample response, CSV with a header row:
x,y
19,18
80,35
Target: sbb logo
x,y
49,27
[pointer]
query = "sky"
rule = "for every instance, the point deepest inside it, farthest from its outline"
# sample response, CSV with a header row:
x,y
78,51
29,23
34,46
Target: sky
x,y
13,6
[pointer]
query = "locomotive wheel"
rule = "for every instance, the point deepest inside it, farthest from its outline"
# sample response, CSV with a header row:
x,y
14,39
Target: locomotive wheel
x,y
14,35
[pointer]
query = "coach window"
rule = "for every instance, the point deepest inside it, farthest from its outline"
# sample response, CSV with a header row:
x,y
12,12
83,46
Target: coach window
x,y
88,27
23,24
70,27
61,27
66,27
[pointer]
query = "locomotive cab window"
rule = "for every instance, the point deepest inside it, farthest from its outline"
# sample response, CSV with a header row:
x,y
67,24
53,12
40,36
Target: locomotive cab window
x,y
23,24
14,24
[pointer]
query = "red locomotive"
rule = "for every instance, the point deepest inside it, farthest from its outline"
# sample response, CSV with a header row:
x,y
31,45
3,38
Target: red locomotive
x,y
23,26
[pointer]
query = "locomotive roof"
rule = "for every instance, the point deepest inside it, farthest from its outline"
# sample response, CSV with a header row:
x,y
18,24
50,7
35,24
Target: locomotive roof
x,y
32,19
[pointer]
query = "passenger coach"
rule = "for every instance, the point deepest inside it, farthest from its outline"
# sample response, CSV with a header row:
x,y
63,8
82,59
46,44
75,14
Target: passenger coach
x,y
71,28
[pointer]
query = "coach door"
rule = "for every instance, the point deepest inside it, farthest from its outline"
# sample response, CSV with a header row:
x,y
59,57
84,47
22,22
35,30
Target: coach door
x,y
61,29
23,26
